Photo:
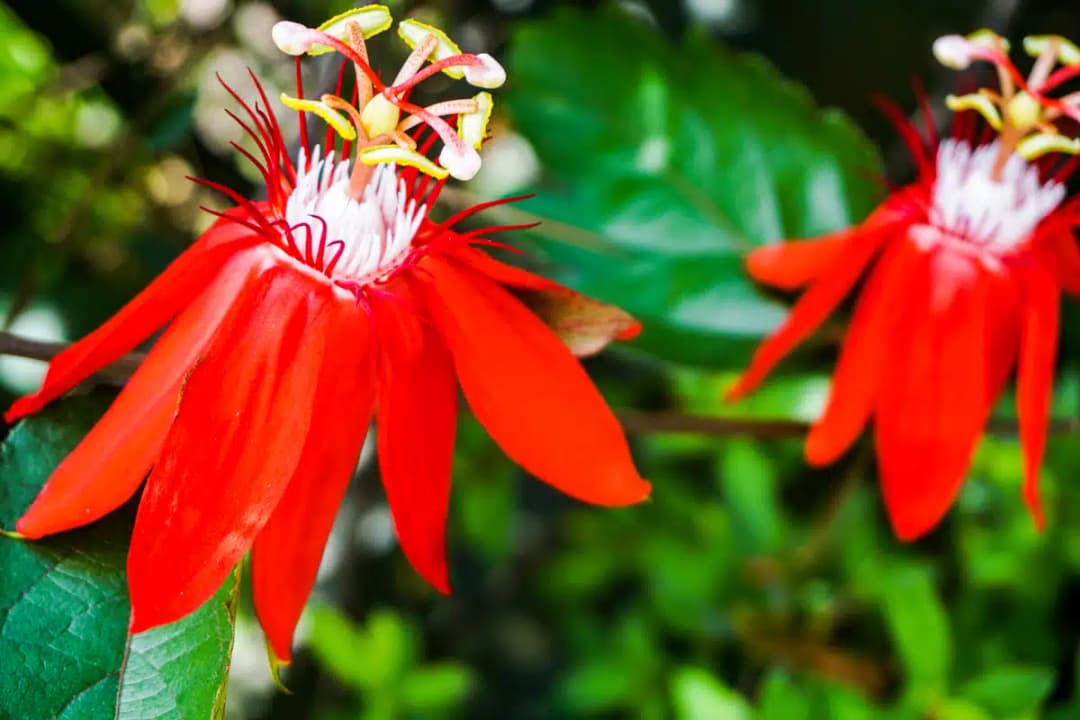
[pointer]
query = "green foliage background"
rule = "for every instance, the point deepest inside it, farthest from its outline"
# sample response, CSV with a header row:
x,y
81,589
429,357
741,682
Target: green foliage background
x,y
750,586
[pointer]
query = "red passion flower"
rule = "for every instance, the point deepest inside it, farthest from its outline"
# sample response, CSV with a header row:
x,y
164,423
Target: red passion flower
x,y
293,320
964,270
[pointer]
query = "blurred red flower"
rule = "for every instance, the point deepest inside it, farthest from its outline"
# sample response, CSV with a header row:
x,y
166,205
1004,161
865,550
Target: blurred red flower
x,y
291,321
964,270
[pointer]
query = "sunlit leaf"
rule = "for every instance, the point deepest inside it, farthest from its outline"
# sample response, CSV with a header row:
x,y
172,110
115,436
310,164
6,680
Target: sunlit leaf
x,y
667,165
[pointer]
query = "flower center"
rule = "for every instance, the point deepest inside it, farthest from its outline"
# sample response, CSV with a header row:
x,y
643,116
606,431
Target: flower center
x,y
996,215
374,119
1021,110
354,214
365,239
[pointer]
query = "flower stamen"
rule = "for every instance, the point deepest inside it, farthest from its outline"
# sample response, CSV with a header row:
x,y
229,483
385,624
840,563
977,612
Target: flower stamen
x,y
376,113
1022,113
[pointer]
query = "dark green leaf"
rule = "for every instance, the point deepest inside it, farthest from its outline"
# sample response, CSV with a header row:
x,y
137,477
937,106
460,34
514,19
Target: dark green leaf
x,y
64,606
669,165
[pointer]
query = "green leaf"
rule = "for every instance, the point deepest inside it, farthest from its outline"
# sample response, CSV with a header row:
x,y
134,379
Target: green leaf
x,y
749,484
1010,691
372,657
782,699
668,165
953,709
697,694
842,703
339,646
598,686
436,687
64,606
919,626
392,644
180,669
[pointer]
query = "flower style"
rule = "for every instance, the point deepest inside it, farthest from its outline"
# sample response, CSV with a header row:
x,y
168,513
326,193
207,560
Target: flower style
x,y
293,320
964,267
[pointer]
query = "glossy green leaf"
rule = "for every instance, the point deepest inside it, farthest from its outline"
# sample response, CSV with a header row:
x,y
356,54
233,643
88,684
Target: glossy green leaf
x,y
64,606
667,165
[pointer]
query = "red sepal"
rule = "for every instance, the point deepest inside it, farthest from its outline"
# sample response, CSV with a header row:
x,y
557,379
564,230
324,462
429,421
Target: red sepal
x,y
934,401
175,288
110,463
235,443
527,389
1038,350
416,422
286,554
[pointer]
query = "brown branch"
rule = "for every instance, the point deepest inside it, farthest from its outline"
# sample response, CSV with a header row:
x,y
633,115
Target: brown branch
x,y
637,422
11,344
669,421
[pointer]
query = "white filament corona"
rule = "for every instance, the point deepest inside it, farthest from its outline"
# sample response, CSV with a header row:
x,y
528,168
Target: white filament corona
x,y
997,216
377,231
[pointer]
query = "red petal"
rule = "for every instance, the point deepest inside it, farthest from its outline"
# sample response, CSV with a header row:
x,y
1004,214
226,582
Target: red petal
x,y
416,420
791,265
815,304
586,325
1067,260
286,554
1003,312
1036,376
864,356
170,291
242,420
530,393
503,273
107,466
934,401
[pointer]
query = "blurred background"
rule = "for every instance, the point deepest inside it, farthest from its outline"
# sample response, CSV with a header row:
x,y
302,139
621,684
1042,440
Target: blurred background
x,y
665,139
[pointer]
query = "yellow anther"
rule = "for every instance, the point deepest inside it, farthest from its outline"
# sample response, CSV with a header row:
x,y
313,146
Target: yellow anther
x,y
989,39
1023,111
472,127
380,116
371,19
379,154
1035,146
332,117
413,31
1067,52
980,103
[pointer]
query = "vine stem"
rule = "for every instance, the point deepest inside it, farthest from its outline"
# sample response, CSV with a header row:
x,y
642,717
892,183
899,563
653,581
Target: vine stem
x,y
117,373
636,422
